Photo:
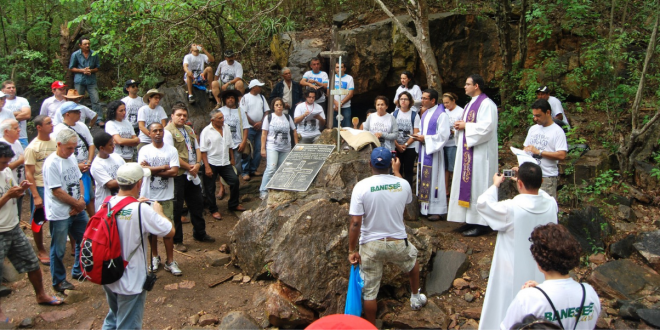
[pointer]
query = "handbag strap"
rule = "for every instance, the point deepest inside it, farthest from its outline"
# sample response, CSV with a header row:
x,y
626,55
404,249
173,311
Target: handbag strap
x,y
553,307
142,238
577,316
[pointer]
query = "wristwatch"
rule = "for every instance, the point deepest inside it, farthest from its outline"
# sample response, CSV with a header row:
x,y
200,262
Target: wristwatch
x,y
406,144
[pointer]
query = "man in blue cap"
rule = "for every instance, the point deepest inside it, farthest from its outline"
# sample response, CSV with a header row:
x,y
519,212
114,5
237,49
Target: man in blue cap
x,y
377,206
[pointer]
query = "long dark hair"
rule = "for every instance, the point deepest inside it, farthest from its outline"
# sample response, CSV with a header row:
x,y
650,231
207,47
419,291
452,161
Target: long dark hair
x,y
111,113
411,79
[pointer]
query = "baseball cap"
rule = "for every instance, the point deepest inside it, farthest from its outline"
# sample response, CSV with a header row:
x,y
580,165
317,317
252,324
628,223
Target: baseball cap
x,y
543,89
229,53
131,173
130,82
57,84
69,106
381,158
255,82
2,94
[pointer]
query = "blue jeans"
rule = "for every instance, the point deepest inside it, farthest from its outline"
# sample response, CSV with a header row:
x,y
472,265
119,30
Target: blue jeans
x,y
94,97
59,230
24,142
346,121
274,159
126,311
40,190
250,164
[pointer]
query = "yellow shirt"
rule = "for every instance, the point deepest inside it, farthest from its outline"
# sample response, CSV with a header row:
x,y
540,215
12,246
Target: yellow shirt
x,y
36,153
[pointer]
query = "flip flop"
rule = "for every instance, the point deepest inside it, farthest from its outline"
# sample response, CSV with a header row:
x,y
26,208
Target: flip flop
x,y
54,302
184,219
220,195
219,217
246,177
44,260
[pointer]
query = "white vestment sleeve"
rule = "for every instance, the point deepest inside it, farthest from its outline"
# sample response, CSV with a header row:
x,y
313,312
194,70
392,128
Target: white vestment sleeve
x,y
495,213
486,126
434,143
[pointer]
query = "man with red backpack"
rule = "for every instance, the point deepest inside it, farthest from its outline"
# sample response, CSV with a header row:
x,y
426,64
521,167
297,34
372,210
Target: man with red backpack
x,y
126,297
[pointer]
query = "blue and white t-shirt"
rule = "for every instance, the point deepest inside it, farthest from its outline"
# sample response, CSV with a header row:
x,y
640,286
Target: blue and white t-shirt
x,y
347,84
321,77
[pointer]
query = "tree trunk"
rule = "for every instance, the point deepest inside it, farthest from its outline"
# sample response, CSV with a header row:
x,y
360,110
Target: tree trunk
x,y
506,53
627,146
67,43
522,35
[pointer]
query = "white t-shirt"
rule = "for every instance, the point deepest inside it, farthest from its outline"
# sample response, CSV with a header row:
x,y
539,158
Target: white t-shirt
x,y
556,108
50,106
550,138
125,130
383,125
454,115
85,113
279,132
231,119
82,152
254,106
104,170
381,200
128,222
60,173
566,295
6,114
321,77
416,93
195,64
150,116
132,107
216,146
347,84
15,105
9,211
19,171
156,187
228,72
309,127
406,126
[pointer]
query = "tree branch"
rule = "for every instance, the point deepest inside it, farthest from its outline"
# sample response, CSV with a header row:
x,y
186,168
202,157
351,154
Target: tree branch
x,y
403,29
642,79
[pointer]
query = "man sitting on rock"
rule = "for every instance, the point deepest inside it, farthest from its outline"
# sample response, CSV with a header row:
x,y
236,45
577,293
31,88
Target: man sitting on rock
x,y
229,75
514,220
194,71
377,206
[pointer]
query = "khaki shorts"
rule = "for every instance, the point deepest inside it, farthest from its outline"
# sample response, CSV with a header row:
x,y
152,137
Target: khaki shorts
x,y
375,253
168,209
549,185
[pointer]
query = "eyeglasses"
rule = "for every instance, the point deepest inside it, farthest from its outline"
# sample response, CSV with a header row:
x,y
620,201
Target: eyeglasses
x,y
404,99
425,98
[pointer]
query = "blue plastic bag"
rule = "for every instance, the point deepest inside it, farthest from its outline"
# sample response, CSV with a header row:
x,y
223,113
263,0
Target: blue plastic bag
x,y
354,294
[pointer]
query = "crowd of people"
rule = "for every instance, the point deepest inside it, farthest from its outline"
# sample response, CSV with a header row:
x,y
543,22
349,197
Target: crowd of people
x,y
144,153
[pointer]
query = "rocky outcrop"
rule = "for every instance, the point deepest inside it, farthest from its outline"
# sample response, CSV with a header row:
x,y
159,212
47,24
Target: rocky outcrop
x,y
301,238
589,228
624,279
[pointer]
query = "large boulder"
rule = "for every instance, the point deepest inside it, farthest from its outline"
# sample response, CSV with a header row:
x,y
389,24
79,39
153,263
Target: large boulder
x,y
198,112
589,228
624,279
648,246
301,238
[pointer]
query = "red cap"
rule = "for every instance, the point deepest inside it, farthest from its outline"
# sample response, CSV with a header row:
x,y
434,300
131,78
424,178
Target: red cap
x,y
57,84
341,321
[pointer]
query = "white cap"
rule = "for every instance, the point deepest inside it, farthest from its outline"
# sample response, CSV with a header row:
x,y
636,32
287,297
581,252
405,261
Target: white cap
x,y
255,82
3,94
131,173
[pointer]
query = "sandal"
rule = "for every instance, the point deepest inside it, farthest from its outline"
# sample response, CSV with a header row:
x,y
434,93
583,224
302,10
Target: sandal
x,y
44,261
53,302
217,216
246,177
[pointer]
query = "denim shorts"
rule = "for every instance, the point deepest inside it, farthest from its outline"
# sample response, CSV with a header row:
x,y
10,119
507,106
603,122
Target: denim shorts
x,y
450,158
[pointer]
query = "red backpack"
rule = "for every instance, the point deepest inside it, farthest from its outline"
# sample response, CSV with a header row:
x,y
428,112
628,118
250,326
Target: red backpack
x,y
100,251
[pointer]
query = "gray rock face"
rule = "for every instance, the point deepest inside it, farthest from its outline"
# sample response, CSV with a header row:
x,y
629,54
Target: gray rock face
x,y
648,246
643,177
628,310
623,248
301,238
429,317
650,316
340,19
623,279
589,228
216,258
238,320
626,213
592,163
197,112
447,265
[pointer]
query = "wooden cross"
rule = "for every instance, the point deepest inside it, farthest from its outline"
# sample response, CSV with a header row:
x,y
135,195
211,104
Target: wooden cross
x,y
333,55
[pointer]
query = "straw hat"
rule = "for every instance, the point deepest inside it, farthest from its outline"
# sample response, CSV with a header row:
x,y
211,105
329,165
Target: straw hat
x,y
72,94
150,93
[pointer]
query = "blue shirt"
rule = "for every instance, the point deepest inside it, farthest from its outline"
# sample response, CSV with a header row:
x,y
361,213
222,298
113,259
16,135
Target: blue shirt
x,y
79,61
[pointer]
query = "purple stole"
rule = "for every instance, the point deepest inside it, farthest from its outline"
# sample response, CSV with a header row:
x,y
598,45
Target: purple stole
x,y
465,191
427,159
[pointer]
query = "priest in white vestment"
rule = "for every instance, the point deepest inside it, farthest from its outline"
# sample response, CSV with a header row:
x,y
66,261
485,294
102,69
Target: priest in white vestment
x,y
431,166
514,220
476,158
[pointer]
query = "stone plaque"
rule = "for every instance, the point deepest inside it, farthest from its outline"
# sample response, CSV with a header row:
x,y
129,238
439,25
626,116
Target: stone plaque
x,y
300,167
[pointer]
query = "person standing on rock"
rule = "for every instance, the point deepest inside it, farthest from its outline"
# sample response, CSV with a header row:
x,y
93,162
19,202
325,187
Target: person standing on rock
x,y
255,106
431,166
546,142
408,122
543,93
408,85
20,107
559,299
133,103
377,206
13,243
343,102
382,124
316,80
514,220
309,118
476,158
275,150
287,89
187,181
126,297
84,65
455,113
